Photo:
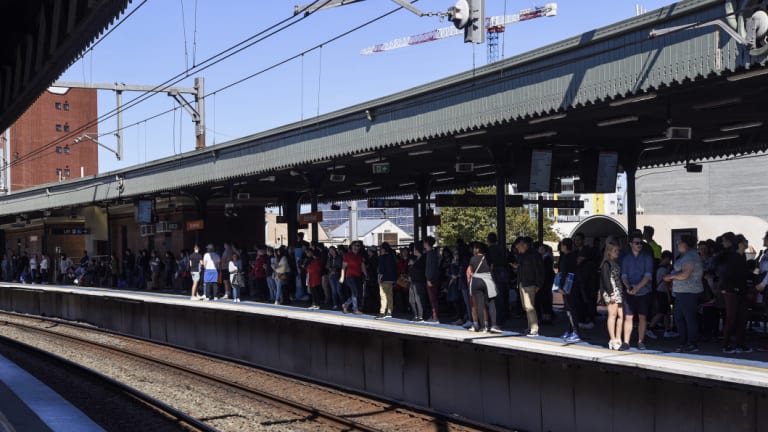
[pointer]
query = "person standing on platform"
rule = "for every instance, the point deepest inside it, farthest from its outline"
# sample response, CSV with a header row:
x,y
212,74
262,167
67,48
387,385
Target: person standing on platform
x,y
314,268
732,272
611,291
530,279
155,267
259,274
281,270
502,275
566,267
387,275
544,296
194,269
211,265
352,272
226,256
482,289
432,273
33,270
45,264
636,274
418,277
129,268
334,263
235,276
687,285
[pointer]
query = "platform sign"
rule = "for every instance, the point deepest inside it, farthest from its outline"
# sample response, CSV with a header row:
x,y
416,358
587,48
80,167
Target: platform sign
x,y
563,204
391,203
467,200
70,231
308,218
195,225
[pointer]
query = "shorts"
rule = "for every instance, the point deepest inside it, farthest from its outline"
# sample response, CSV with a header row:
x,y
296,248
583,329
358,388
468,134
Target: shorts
x,y
662,302
636,305
195,276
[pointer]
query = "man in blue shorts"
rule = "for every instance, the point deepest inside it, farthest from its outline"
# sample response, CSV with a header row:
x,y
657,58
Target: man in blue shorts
x,y
636,274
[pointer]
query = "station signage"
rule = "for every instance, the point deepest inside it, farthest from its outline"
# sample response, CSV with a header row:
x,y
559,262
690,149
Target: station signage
x,y
308,218
195,225
71,231
467,200
563,204
390,203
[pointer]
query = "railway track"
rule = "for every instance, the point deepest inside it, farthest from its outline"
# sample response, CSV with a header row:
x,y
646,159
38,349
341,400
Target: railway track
x,y
222,394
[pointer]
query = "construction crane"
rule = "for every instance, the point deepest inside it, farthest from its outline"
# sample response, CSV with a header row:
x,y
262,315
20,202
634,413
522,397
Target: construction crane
x,y
494,26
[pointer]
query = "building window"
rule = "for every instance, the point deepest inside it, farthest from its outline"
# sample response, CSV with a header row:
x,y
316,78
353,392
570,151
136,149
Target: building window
x,y
58,172
66,149
66,172
66,106
58,149
58,127
66,127
58,105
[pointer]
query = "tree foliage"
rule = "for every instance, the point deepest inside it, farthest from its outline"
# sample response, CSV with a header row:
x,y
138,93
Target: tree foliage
x,y
475,223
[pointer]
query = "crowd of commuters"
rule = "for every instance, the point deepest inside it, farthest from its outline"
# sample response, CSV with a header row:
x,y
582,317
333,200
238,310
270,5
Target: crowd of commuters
x,y
697,293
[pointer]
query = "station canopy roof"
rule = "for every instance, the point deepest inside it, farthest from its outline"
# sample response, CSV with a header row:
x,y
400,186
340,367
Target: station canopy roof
x,y
39,39
614,89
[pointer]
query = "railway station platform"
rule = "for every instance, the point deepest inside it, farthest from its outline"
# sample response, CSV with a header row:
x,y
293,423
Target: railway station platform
x,y
533,384
26,404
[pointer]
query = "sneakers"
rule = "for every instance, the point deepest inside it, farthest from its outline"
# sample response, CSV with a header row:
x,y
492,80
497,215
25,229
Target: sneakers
x,y
729,349
743,349
671,334
344,309
468,324
623,347
614,344
473,329
193,298
763,348
487,330
641,346
572,338
565,335
650,334
496,329
380,316
458,322
531,333
433,321
691,348
357,312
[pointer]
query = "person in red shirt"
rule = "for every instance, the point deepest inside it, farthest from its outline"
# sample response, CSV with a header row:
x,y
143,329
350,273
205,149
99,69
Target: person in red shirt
x,y
259,274
352,271
314,270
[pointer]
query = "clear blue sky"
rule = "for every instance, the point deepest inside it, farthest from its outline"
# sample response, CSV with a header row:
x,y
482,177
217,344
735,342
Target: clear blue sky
x,y
160,41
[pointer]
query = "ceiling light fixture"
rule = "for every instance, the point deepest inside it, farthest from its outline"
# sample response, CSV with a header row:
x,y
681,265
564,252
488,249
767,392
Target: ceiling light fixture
x,y
540,135
547,118
617,121
419,152
344,192
333,168
445,179
481,166
437,173
632,100
720,138
486,173
321,162
739,126
717,104
358,155
471,146
374,160
407,184
655,140
365,183
745,75
412,145
372,188
268,179
469,134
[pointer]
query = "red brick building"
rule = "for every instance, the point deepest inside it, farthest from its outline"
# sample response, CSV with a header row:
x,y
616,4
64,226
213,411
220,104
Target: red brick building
x,y
49,142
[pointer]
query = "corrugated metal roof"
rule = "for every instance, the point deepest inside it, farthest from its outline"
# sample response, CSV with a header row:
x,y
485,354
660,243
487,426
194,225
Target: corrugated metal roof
x,y
605,64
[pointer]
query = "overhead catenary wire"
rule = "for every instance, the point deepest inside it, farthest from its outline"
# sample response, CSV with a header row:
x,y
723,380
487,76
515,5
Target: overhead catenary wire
x,y
210,61
273,66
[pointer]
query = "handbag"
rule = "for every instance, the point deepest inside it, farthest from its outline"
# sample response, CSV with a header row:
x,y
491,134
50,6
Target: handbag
x,y
403,281
487,279
282,276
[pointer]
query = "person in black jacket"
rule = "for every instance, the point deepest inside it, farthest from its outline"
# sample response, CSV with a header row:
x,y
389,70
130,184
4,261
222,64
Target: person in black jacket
x,y
732,272
530,279
567,268
387,275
